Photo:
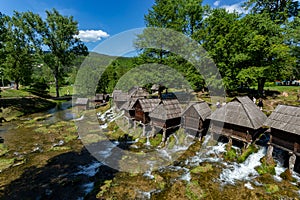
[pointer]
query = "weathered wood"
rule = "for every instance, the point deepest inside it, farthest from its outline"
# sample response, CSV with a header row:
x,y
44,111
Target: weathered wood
x,y
292,161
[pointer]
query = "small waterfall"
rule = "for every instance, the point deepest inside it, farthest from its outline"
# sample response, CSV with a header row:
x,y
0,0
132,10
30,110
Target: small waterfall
x,y
148,140
243,171
186,176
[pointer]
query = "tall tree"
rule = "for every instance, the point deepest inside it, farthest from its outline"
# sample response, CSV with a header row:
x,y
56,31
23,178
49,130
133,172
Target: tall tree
x,y
220,37
19,54
55,41
292,30
278,10
267,56
183,16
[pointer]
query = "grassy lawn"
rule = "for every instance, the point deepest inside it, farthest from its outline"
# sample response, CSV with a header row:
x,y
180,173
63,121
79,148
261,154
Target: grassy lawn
x,y
15,93
62,90
284,88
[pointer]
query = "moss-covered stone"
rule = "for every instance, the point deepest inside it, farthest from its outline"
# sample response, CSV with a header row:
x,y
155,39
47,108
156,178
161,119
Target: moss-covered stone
x,y
271,188
230,155
202,169
287,175
194,192
266,167
155,141
246,153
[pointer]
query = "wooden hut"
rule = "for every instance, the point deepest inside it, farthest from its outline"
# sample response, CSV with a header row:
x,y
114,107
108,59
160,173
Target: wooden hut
x,y
128,108
142,108
120,98
138,92
82,103
100,99
239,119
194,118
284,123
167,115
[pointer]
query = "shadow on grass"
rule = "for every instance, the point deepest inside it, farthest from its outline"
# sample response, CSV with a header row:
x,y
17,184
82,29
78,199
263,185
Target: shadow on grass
x,y
59,179
27,105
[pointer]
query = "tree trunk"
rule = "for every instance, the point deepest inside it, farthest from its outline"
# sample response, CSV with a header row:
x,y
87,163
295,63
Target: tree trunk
x,y
261,85
17,85
56,81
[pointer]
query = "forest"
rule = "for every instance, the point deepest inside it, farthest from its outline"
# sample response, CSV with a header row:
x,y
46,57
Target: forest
x,y
249,49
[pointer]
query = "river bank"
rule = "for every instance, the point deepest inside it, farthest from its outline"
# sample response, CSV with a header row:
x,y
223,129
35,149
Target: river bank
x,y
43,157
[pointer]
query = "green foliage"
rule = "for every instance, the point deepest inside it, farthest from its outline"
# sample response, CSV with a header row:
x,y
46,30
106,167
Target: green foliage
x,y
19,58
56,34
279,11
40,85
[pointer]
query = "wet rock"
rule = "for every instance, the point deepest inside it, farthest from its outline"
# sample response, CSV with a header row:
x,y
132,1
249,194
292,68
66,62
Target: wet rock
x,y
37,150
60,143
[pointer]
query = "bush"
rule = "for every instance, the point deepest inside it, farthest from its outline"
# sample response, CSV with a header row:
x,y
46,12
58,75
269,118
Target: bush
x,y
40,85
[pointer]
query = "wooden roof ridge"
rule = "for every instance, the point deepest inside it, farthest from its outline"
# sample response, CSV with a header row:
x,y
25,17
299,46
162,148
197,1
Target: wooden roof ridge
x,y
167,109
252,111
148,105
81,101
201,108
285,118
128,105
240,111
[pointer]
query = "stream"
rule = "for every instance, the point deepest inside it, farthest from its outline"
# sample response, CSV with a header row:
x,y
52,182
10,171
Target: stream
x,y
73,175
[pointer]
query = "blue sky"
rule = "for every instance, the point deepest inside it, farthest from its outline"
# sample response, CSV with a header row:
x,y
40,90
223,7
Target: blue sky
x,y
99,19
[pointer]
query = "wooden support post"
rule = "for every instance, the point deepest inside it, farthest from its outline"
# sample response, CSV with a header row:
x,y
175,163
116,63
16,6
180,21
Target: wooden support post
x,y
270,153
200,136
134,124
164,135
229,144
292,161
296,147
144,130
152,132
128,123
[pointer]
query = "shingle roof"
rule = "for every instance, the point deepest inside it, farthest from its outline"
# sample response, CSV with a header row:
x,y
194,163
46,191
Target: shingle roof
x,y
128,105
285,118
242,112
148,105
137,92
121,96
81,101
167,109
202,109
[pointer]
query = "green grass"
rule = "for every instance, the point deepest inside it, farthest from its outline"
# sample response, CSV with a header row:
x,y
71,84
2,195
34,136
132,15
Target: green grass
x,y
6,163
283,88
15,93
63,91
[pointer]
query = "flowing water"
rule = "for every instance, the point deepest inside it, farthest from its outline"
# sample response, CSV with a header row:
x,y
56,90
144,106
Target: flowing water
x,y
87,173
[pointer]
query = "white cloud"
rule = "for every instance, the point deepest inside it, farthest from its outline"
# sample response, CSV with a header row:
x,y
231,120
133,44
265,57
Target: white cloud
x,y
92,35
217,3
235,8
